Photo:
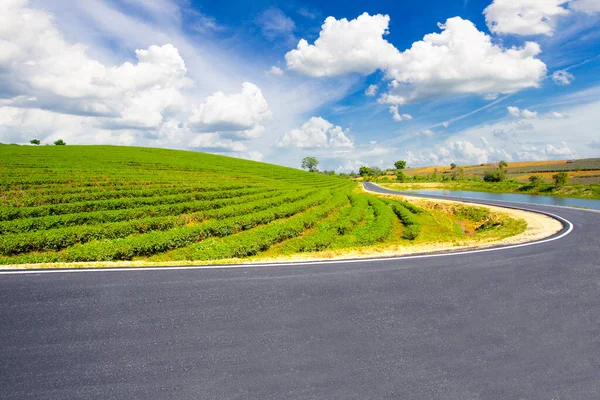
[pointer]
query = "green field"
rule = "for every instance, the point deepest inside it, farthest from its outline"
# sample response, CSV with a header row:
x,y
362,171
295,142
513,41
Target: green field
x,y
62,204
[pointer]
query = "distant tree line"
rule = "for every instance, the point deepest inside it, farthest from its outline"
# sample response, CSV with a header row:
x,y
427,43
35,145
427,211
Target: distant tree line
x,y
58,142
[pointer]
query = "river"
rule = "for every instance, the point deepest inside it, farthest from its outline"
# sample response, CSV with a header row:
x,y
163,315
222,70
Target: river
x,y
520,198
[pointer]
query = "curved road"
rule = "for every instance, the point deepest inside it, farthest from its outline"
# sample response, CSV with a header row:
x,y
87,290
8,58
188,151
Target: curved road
x,y
518,323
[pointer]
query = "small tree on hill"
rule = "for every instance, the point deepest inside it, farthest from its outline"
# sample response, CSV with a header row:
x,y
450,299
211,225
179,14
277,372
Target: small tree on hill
x,y
59,142
310,163
365,171
452,166
494,176
561,179
35,141
400,164
502,164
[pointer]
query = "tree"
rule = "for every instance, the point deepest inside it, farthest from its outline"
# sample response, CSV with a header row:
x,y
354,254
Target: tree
x,y
400,177
365,171
400,164
502,164
59,142
310,163
535,180
494,176
35,141
452,166
561,179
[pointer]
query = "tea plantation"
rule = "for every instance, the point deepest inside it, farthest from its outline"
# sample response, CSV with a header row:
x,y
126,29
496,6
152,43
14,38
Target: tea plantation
x,y
105,203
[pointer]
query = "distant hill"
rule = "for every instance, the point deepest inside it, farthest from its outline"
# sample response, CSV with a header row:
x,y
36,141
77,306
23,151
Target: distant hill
x,y
584,171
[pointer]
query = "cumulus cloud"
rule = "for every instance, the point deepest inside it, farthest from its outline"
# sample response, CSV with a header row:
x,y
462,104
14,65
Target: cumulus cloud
x,y
459,60
562,78
239,112
396,115
316,132
524,17
345,47
518,113
372,90
462,59
37,63
222,121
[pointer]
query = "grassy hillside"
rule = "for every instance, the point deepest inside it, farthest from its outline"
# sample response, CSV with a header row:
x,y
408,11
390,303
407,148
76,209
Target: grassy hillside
x,y
104,203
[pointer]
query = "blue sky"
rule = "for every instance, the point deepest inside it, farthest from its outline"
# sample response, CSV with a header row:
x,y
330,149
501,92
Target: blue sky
x,y
352,83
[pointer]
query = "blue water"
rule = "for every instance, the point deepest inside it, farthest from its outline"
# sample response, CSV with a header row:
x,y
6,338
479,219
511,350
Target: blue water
x,y
522,198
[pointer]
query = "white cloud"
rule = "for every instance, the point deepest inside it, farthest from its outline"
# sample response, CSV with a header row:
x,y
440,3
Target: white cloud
x,y
518,113
255,155
562,150
445,124
562,78
230,113
524,17
528,114
372,90
465,152
225,121
396,115
57,75
587,6
460,59
350,166
345,47
515,139
213,142
490,96
316,132
426,132
275,71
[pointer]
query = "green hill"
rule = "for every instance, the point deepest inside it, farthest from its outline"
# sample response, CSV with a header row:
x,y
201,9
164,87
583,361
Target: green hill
x,y
105,203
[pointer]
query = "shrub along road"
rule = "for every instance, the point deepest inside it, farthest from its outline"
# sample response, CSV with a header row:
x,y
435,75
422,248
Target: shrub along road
x,y
517,323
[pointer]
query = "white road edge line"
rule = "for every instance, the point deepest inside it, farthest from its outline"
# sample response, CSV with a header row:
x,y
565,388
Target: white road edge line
x,y
566,222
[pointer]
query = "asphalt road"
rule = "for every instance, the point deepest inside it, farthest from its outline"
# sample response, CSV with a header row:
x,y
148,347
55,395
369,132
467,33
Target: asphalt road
x,y
519,323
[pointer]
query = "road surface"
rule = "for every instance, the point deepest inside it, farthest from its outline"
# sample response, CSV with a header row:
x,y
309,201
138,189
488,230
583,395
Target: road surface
x,y
517,323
